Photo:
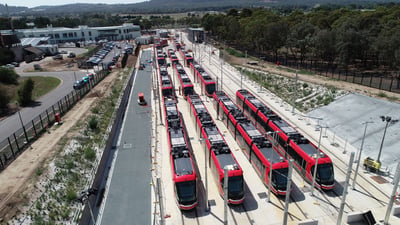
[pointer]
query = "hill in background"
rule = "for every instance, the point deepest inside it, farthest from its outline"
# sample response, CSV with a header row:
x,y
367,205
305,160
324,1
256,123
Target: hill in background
x,y
173,6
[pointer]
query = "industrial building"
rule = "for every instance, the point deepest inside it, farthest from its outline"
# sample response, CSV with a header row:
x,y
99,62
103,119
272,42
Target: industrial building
x,y
57,35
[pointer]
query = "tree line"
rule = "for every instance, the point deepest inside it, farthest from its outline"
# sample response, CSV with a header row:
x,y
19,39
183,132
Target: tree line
x,y
344,38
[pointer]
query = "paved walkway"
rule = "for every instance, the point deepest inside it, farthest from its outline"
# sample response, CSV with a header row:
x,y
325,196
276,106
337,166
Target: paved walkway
x,y
128,195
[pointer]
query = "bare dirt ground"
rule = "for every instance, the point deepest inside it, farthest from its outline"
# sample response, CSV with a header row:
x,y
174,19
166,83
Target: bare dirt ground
x,y
319,80
17,181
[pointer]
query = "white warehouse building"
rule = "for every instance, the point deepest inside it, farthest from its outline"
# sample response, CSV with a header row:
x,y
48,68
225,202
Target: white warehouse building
x,y
82,33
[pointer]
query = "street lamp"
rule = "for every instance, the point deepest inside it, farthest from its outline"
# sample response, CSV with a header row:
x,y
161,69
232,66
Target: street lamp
x,y
388,120
359,154
207,207
22,124
316,161
271,161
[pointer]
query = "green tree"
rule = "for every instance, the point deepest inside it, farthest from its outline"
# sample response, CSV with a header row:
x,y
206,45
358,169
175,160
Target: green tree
x,y
41,21
4,99
25,92
8,76
6,56
301,39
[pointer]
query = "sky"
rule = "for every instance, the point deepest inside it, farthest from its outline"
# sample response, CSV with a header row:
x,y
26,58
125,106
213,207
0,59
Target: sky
x,y
34,3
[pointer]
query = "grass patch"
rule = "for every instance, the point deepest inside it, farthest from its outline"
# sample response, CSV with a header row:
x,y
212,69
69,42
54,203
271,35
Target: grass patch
x,y
382,95
42,86
236,53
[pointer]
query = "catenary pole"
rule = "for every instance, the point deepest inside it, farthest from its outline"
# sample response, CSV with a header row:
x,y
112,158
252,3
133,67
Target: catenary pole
x,y
346,184
393,196
359,154
287,198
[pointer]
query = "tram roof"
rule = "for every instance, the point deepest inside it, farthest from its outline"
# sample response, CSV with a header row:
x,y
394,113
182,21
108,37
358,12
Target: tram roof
x,y
182,163
213,135
269,153
285,127
251,130
225,158
177,138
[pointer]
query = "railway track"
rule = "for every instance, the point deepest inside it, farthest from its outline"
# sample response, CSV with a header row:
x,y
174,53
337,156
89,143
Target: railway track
x,y
240,214
190,217
339,163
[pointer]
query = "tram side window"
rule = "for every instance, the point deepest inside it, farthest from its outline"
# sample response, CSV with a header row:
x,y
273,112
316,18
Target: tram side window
x,y
257,162
281,141
214,170
239,101
264,124
245,107
296,157
242,142
231,126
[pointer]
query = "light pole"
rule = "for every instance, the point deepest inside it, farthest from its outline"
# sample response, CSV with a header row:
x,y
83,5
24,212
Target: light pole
x,y
226,195
271,161
386,119
294,93
22,124
359,154
207,206
316,162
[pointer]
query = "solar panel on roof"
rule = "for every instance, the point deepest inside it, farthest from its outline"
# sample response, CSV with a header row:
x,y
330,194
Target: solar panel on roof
x,y
178,141
198,106
215,137
254,133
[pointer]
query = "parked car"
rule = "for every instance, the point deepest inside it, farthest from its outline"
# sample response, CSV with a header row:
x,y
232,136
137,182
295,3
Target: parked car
x,y
63,52
79,84
71,55
37,67
58,56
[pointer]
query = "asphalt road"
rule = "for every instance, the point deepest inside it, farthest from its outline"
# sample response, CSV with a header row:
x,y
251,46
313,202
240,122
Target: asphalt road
x,y
11,124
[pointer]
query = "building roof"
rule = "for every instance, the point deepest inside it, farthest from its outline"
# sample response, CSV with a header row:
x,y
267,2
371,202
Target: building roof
x,y
33,41
34,50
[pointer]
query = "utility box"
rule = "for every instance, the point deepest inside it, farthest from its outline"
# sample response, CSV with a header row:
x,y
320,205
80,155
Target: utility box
x,y
57,117
371,164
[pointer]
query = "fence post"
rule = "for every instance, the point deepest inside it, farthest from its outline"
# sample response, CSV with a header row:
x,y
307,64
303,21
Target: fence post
x,y
59,108
16,142
12,150
48,118
362,78
34,129
380,84
54,111
1,162
354,77
370,82
66,101
391,84
41,122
